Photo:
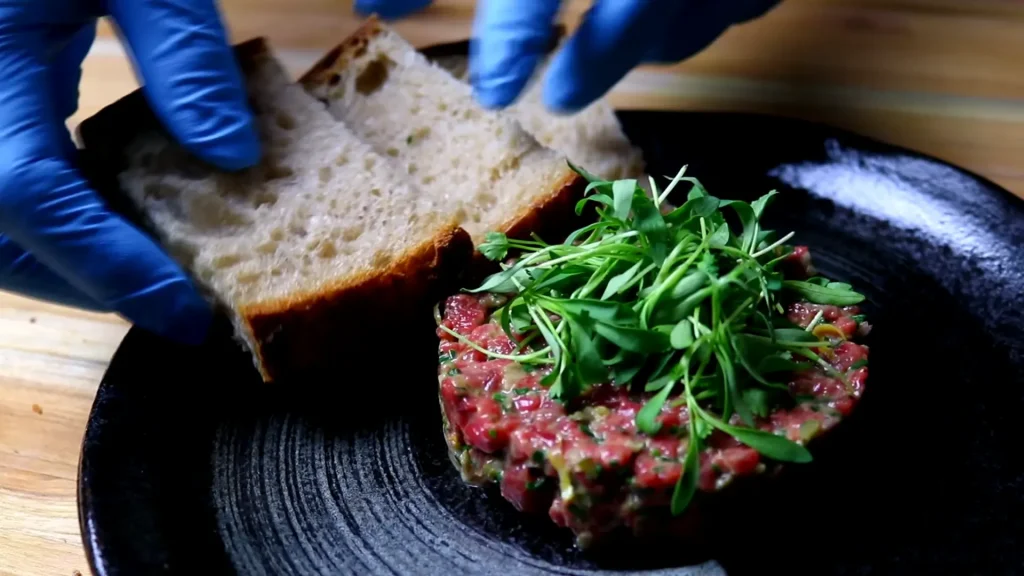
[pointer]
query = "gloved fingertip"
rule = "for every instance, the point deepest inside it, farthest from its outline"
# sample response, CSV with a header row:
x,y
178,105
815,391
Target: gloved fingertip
x,y
236,147
499,80
493,97
562,93
174,310
560,98
192,322
390,9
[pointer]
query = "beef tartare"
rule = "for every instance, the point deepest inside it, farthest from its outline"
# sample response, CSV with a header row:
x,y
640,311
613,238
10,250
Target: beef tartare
x,y
653,355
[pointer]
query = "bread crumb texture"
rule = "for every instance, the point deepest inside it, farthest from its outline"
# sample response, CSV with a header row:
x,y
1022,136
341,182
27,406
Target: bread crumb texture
x,y
427,125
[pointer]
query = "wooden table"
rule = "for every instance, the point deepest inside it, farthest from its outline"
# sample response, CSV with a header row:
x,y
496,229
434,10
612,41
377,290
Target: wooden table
x,y
942,76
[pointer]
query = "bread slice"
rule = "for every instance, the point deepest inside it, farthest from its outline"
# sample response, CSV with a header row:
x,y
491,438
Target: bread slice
x,y
319,242
491,172
591,138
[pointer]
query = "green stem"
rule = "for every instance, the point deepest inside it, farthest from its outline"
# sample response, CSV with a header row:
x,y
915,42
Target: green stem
x,y
773,245
669,283
531,358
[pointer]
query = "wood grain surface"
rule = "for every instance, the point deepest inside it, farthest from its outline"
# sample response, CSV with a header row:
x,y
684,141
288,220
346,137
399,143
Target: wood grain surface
x,y
940,76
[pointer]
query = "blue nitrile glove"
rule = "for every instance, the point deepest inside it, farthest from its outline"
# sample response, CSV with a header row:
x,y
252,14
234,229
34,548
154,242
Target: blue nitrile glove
x,y
510,37
58,241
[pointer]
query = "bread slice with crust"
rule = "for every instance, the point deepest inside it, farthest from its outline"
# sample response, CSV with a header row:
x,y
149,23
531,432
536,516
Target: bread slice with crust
x,y
489,170
322,240
591,138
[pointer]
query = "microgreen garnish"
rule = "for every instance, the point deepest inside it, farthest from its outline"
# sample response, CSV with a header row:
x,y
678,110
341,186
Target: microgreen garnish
x,y
687,305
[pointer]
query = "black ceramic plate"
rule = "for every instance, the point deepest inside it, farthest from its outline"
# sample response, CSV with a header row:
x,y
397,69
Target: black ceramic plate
x,y
191,466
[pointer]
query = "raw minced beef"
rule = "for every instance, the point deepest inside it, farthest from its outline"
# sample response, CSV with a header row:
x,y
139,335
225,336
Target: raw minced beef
x,y
587,465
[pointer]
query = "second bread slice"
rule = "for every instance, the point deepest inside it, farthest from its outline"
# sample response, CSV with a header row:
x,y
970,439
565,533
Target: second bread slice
x,y
591,138
492,174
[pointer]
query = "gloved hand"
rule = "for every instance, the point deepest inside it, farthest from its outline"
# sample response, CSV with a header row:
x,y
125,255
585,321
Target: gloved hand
x,y
58,241
509,38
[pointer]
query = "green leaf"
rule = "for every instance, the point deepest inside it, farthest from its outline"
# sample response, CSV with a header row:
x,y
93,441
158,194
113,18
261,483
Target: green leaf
x,y
552,340
561,278
600,274
502,282
617,282
778,363
823,294
619,357
752,354
647,220
586,175
761,203
682,309
763,237
748,221
859,364
720,237
767,324
622,192
689,284
587,361
624,372
505,319
557,386
686,487
601,311
520,315
647,417
588,229
794,335
634,339
682,335
731,384
701,352
839,286
697,191
665,364
495,246
599,198
757,400
659,379
703,429
768,444
748,367
708,264
696,208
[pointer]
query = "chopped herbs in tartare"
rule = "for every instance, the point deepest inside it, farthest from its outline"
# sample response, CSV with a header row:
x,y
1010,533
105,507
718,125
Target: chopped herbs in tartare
x,y
654,354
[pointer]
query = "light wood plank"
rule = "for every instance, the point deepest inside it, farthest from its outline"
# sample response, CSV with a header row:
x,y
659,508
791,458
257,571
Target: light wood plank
x,y
51,359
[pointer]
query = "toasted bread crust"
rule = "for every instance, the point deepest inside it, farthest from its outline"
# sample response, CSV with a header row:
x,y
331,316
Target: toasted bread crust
x,y
307,334
552,218
303,334
338,58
